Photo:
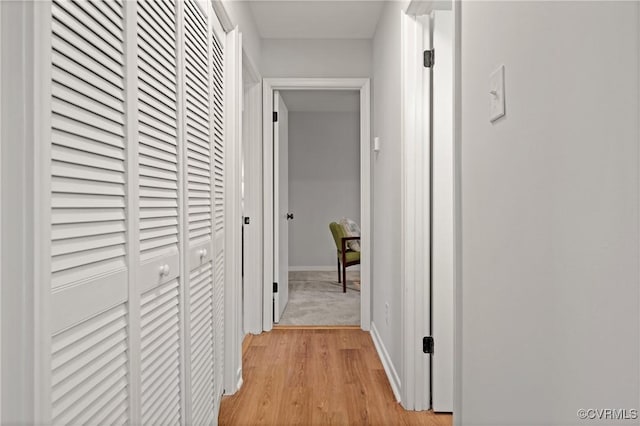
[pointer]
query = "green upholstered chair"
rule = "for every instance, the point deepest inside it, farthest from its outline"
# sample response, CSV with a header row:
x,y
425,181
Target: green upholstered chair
x,y
346,257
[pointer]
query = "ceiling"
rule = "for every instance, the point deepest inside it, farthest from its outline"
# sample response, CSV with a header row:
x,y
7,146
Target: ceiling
x,y
321,100
312,19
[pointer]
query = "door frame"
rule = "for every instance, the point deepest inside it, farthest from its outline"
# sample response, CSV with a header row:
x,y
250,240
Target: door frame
x,y
281,84
442,211
252,154
233,95
415,371
457,212
280,129
24,163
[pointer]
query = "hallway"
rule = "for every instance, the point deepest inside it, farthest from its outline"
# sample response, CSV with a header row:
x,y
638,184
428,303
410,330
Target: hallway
x,y
141,268
316,376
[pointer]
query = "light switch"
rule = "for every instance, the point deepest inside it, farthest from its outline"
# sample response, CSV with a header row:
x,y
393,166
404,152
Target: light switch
x,y
376,144
496,94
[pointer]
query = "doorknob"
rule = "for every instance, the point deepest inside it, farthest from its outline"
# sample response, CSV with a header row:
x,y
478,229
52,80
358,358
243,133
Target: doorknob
x,y
289,216
164,270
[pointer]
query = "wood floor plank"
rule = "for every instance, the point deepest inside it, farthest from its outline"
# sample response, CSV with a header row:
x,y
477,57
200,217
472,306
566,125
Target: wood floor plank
x,y
316,376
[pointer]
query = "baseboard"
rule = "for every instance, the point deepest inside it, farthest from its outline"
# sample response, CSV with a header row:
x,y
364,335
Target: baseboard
x,y
321,268
392,374
239,379
316,327
312,268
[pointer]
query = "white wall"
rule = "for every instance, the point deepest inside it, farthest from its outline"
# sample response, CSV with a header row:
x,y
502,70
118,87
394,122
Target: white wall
x,y
324,182
550,284
316,58
386,242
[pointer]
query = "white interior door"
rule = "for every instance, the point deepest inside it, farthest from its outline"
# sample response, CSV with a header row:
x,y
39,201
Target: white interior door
x,y
443,249
416,211
280,206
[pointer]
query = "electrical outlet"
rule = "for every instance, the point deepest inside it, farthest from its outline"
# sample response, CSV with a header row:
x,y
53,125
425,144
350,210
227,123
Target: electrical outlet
x,y
386,313
496,94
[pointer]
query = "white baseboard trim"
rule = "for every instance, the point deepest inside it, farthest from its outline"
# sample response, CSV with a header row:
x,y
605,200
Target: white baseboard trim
x,y
392,374
321,268
238,383
239,379
312,268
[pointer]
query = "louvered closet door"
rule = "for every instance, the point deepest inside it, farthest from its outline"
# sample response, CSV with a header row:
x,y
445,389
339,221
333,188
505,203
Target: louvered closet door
x,y
218,172
89,370
197,136
159,211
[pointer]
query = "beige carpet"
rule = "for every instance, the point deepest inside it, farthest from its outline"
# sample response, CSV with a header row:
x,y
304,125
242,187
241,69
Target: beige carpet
x,y
316,298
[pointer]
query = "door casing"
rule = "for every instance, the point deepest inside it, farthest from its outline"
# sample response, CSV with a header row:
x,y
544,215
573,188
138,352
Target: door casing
x,y
281,206
252,155
363,86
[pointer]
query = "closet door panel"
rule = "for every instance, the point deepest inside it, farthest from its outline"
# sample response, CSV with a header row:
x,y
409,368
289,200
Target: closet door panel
x,y
89,306
198,159
218,181
160,216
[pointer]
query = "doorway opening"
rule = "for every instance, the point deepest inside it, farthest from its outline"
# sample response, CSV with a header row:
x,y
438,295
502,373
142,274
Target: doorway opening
x,y
276,92
317,207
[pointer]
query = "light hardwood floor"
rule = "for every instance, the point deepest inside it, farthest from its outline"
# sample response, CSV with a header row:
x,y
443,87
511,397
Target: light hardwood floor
x,y
316,375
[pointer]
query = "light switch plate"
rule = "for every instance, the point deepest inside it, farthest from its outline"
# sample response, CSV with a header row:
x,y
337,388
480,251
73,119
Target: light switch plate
x,y
496,94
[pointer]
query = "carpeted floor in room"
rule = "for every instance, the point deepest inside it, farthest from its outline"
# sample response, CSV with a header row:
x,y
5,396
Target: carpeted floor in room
x,y
316,298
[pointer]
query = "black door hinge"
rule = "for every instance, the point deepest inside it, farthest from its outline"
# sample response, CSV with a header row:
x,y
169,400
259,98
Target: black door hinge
x,y
275,117
275,287
429,58
247,220
427,345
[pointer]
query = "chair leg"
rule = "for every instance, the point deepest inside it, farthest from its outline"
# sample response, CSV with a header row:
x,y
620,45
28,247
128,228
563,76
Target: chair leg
x,y
339,280
344,278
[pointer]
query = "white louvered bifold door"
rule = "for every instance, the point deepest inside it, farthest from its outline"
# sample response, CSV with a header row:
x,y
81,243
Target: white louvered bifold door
x,y
218,172
135,315
88,323
159,220
198,199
